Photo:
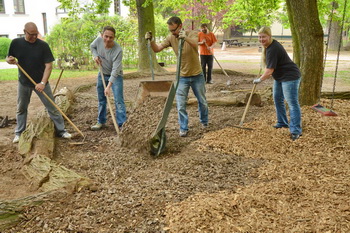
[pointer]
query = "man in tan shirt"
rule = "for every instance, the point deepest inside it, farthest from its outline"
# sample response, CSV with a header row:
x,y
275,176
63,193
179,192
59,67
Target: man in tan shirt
x,y
190,72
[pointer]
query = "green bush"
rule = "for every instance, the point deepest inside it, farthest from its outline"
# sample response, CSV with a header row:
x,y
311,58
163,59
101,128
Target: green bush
x,y
70,40
4,47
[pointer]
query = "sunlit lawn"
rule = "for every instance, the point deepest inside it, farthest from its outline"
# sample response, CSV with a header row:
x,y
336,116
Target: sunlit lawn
x,y
11,74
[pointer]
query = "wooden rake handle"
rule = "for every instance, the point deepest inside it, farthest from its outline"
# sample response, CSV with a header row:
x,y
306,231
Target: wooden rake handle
x,y
221,66
52,102
248,103
58,81
109,103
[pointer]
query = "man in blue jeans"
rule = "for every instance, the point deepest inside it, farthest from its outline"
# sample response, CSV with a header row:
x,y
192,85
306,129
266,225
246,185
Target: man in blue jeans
x,y
108,54
190,72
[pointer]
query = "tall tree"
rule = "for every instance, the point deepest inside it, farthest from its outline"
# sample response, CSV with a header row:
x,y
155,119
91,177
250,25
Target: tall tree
x,y
307,46
145,17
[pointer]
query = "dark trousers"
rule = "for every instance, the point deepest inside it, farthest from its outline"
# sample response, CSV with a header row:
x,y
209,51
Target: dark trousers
x,y
207,60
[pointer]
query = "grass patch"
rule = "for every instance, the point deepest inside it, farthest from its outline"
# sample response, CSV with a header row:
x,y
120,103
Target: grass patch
x,y
342,74
12,74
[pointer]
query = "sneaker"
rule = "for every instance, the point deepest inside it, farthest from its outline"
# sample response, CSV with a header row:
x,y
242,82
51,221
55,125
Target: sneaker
x,y
210,82
183,133
16,139
278,126
205,125
295,136
66,135
98,126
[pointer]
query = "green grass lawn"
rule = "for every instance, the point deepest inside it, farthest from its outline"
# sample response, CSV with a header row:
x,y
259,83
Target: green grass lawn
x,y
11,74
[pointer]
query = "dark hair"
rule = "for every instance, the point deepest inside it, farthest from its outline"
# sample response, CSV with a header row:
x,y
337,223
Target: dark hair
x,y
174,20
108,28
204,25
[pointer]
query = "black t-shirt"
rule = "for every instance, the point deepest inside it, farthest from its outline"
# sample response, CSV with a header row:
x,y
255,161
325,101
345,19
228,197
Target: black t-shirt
x,y
284,68
32,57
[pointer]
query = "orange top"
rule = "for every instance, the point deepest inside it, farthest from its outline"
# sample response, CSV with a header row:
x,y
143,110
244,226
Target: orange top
x,y
210,39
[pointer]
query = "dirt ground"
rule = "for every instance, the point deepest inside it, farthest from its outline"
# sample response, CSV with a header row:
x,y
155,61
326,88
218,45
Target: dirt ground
x,y
218,179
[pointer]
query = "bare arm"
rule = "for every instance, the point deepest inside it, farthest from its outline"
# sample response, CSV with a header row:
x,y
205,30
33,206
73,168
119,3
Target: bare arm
x,y
156,47
268,72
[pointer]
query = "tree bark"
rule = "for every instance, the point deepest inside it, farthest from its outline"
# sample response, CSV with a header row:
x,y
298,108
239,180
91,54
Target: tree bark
x,y
145,17
308,44
334,37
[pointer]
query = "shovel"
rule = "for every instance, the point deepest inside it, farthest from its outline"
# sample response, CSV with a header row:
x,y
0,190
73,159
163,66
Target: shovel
x,y
158,140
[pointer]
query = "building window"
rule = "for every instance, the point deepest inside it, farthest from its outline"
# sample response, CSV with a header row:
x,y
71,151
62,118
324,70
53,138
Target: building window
x,y
19,6
2,6
117,7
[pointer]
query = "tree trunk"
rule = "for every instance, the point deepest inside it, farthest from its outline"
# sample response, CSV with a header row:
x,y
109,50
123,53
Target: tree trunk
x,y
334,34
145,17
334,37
308,35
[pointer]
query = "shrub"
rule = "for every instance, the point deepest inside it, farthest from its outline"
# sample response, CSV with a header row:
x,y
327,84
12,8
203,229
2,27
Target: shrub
x,y
4,46
70,40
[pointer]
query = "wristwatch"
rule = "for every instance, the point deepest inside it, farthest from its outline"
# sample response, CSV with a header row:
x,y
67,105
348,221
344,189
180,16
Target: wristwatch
x,y
42,82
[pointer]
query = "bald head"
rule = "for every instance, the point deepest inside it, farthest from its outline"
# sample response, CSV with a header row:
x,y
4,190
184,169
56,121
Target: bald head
x,y
31,32
30,26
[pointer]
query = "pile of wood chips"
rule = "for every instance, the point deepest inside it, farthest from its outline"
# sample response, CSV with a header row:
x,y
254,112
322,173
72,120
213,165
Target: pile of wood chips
x,y
304,185
141,124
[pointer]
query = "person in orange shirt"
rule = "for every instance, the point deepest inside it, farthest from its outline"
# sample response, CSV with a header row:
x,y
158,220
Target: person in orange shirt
x,y
206,42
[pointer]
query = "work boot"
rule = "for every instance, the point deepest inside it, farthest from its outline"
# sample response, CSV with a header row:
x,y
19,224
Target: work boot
x,y
98,126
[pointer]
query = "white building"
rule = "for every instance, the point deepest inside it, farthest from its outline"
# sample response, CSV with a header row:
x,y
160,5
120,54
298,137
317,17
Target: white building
x,y
44,13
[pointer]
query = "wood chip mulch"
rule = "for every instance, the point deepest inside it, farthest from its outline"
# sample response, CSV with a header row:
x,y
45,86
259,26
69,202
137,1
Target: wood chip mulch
x,y
304,186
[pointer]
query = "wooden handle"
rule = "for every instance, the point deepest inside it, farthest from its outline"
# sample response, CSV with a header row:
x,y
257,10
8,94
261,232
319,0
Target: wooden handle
x,y
58,81
109,103
220,66
248,103
52,102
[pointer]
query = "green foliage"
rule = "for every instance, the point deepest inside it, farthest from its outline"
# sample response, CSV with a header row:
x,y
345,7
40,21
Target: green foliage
x,y
70,40
94,7
252,14
4,46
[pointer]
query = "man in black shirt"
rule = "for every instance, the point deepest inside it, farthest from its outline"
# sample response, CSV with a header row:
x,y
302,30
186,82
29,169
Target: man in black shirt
x,y
36,58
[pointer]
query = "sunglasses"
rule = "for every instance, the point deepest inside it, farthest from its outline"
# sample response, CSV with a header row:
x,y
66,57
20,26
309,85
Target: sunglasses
x,y
174,30
34,34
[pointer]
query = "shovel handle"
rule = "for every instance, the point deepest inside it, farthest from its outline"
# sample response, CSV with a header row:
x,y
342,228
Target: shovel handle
x,y
150,57
109,103
52,102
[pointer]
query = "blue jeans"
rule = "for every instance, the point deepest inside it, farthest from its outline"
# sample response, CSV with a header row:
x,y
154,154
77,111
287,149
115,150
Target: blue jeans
x,y
288,91
23,100
197,83
117,88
